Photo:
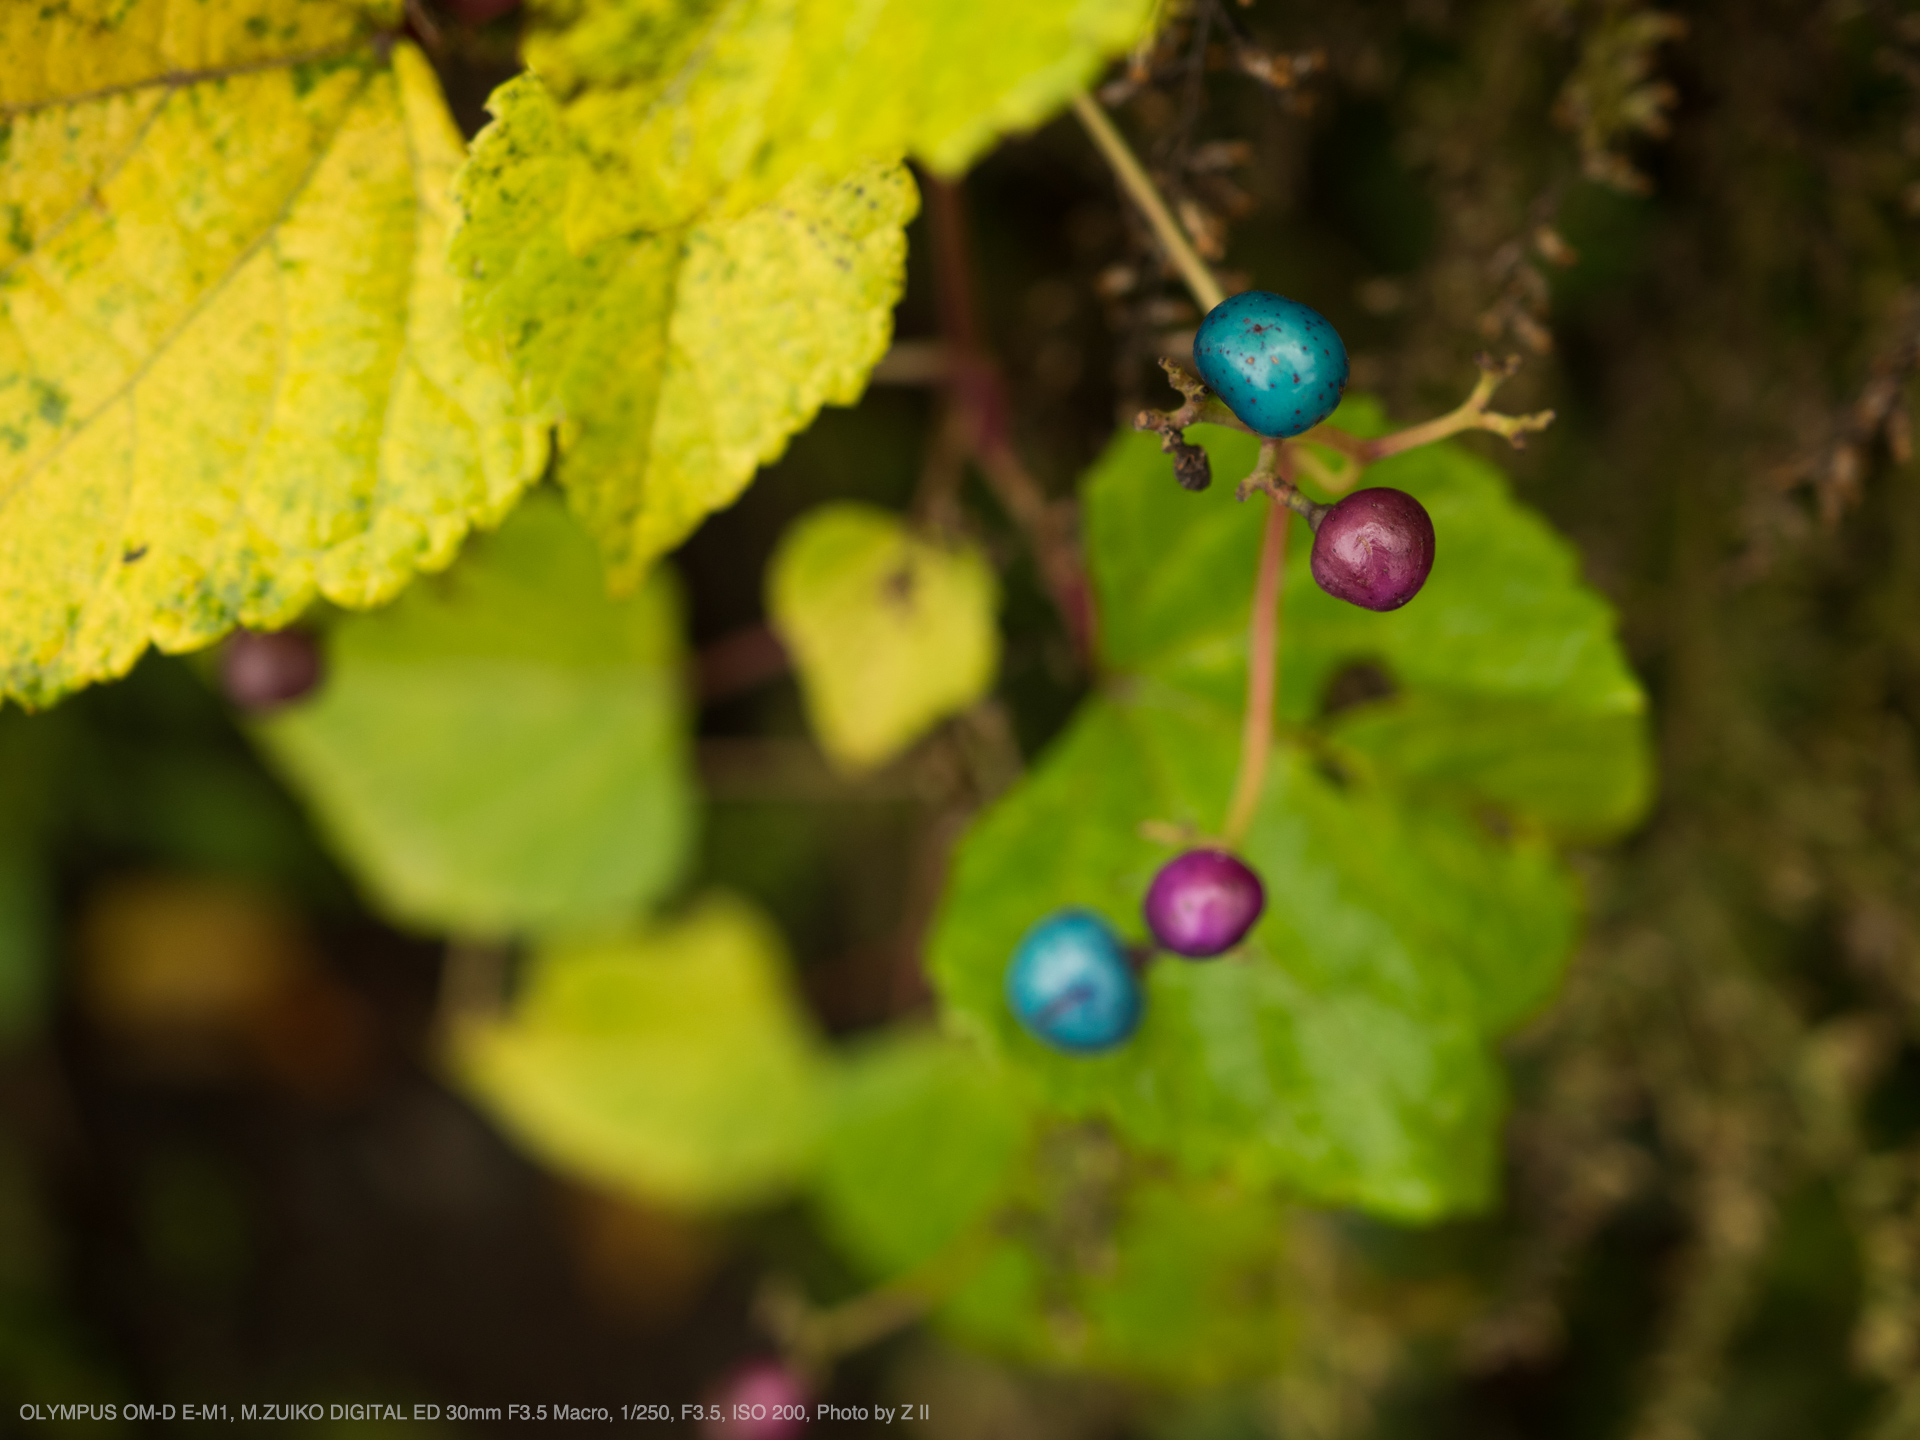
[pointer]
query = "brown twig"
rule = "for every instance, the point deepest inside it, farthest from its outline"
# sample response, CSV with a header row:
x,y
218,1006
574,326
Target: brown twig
x,y
739,661
979,395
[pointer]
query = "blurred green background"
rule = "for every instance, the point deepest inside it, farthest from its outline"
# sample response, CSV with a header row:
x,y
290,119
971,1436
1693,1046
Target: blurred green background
x,y
231,1161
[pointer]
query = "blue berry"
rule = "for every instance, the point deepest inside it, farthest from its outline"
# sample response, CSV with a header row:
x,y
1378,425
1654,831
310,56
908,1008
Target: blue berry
x,y
1072,985
1279,366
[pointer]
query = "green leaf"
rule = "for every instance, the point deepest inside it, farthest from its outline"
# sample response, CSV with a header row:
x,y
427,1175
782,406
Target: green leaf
x,y
922,1142
1037,1239
1513,687
1114,1268
677,361
674,1062
889,633
1343,1050
233,368
503,749
689,107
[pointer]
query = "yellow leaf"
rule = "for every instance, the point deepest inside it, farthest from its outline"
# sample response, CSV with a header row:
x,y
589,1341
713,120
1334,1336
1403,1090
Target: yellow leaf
x,y
675,1063
889,633
687,108
677,363
233,370
690,227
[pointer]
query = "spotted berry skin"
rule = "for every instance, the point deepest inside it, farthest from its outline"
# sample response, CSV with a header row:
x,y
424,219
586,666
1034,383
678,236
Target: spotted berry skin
x,y
1279,365
1203,903
261,671
1374,549
1072,984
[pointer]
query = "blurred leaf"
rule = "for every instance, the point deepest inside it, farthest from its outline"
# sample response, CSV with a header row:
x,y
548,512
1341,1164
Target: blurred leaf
x,y
889,633
1040,1240
921,1143
233,369
675,1062
685,107
503,749
679,360
1149,1276
1343,1051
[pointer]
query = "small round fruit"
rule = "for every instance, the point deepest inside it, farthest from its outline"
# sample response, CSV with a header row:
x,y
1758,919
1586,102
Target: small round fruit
x,y
263,671
1203,903
1374,549
1279,365
762,1400
1072,984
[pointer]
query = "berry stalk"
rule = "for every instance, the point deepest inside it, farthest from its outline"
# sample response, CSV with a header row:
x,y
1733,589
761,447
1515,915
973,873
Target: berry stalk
x,y
1263,670
1137,183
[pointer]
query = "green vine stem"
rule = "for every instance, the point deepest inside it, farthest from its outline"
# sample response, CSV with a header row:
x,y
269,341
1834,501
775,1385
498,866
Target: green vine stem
x,y
1202,407
1470,414
813,1338
1263,668
1139,185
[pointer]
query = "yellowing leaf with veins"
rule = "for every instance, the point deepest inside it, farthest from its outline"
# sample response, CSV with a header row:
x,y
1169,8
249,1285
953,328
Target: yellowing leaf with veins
x,y
889,633
684,105
678,362
233,370
675,1062
690,227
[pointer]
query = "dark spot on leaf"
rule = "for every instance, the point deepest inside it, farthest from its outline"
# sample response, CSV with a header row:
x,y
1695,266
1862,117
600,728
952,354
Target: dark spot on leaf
x,y
1360,683
137,553
50,400
898,586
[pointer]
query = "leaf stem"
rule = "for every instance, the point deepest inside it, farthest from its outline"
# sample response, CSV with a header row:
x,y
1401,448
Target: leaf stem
x,y
1139,185
1263,669
815,1337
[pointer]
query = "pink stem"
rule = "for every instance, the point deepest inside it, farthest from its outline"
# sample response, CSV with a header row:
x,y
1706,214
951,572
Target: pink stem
x,y
1263,669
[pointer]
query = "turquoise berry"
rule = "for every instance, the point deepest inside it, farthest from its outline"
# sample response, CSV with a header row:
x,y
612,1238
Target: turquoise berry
x,y
1072,985
1279,366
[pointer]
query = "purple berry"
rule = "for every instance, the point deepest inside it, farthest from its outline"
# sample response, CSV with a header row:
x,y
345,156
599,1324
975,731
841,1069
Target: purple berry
x,y
764,1400
1203,903
1374,549
262,672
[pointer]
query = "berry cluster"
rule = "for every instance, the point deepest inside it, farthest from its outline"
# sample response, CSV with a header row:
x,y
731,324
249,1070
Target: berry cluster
x,y
1280,368
1075,984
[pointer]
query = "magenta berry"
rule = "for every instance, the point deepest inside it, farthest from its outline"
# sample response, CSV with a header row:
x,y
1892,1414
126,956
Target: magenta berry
x,y
1203,903
1374,549
262,672
762,1400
